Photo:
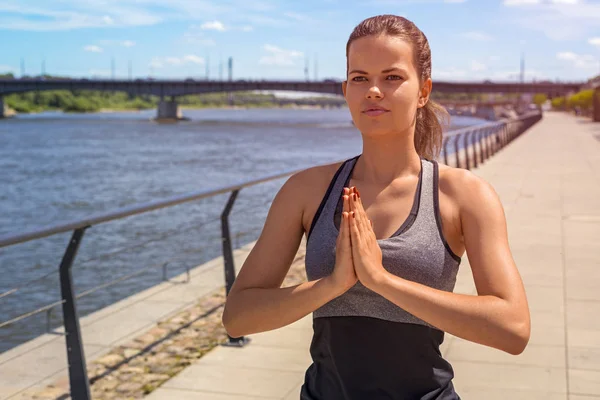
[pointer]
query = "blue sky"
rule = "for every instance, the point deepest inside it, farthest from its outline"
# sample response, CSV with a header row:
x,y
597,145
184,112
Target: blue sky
x,y
273,39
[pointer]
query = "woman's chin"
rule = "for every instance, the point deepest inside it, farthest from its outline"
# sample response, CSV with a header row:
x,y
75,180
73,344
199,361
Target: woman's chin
x,y
370,130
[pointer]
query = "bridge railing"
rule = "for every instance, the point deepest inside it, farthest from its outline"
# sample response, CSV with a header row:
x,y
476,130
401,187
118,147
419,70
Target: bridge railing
x,y
468,146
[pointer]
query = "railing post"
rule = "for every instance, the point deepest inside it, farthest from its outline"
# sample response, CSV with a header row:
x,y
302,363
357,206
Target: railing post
x,y
228,261
456,151
78,378
495,138
486,141
466,145
511,131
475,150
445,146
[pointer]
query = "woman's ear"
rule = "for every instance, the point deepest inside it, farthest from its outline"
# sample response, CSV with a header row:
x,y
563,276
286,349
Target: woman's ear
x,y
344,85
424,93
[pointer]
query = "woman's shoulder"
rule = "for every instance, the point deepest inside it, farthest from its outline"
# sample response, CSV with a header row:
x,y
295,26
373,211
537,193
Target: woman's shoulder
x,y
310,185
464,187
314,178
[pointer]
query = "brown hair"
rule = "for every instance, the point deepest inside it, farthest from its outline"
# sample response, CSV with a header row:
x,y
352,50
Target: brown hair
x,y
429,118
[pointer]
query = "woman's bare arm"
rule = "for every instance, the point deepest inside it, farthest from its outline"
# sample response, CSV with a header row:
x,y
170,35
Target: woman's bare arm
x,y
256,302
498,316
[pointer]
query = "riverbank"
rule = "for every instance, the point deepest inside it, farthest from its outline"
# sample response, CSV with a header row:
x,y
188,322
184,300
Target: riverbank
x,y
11,113
94,101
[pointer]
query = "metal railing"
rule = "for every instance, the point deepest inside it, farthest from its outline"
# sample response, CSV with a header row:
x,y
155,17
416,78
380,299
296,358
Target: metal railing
x,y
471,146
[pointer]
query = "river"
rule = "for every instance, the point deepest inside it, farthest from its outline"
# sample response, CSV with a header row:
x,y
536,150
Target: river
x,y
60,167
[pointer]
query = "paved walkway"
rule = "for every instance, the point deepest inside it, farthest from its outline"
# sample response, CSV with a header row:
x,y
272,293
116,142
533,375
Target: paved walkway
x,y
549,183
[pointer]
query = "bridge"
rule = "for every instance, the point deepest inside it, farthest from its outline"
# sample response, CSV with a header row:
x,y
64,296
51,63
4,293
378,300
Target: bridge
x,y
169,90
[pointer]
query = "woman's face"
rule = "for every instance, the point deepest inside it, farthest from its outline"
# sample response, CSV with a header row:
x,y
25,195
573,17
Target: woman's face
x,y
381,74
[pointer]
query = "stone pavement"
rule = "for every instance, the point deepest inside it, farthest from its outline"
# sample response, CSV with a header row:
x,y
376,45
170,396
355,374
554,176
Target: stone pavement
x,y
549,183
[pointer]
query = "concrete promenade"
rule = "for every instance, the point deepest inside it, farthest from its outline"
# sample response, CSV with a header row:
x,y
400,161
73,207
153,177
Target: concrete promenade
x,y
549,183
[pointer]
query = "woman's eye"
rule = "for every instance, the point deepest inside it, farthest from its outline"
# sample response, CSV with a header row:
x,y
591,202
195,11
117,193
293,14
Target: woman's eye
x,y
389,77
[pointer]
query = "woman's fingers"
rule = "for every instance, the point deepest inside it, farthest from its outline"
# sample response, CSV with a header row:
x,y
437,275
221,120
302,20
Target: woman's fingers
x,y
344,228
359,212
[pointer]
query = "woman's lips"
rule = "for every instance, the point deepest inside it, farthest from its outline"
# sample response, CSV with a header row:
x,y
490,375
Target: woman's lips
x,y
375,113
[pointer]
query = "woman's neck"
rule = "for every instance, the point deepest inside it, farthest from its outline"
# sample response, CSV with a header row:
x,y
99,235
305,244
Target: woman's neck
x,y
385,159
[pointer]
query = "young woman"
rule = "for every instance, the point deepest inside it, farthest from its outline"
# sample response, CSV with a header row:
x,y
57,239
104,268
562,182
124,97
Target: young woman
x,y
385,234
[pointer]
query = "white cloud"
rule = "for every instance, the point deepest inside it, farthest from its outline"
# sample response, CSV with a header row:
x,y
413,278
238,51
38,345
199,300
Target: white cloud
x,y
265,20
534,2
173,61
477,66
303,18
199,40
193,59
557,19
6,68
40,15
124,43
93,48
583,61
160,62
279,57
246,28
402,2
196,35
478,74
594,41
477,36
43,15
520,2
156,63
213,25
297,16
448,73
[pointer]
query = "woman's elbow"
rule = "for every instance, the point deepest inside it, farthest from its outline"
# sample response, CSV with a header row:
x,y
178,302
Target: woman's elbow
x,y
227,320
231,319
519,338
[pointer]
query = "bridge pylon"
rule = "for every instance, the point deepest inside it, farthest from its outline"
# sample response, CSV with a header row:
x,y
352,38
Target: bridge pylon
x,y
168,111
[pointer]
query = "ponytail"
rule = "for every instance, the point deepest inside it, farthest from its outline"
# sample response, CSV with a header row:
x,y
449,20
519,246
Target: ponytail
x,y
429,129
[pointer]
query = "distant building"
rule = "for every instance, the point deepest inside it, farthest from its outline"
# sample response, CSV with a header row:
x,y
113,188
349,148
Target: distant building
x,y
593,83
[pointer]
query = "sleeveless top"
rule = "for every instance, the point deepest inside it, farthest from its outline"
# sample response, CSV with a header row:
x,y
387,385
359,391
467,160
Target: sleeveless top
x,y
364,346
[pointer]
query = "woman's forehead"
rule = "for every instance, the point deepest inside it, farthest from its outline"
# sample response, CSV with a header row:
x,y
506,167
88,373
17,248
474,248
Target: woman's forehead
x,y
379,52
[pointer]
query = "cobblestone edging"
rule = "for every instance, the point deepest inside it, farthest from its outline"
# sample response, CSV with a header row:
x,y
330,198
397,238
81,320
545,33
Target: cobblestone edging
x,y
136,368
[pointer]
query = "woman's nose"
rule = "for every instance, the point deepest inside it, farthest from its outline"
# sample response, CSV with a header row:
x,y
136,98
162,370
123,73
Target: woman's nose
x,y
374,92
